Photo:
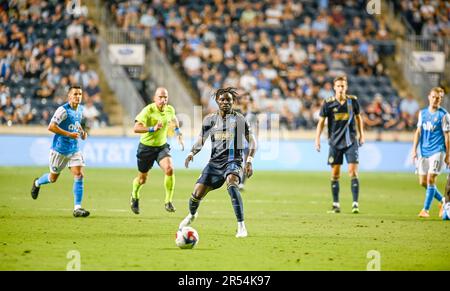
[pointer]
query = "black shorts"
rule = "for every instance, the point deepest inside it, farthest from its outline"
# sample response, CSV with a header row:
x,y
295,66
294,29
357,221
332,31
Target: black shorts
x,y
214,175
336,156
147,155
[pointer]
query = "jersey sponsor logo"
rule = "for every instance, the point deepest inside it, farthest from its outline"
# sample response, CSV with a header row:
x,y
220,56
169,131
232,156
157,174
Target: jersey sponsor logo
x,y
223,135
74,127
428,126
341,116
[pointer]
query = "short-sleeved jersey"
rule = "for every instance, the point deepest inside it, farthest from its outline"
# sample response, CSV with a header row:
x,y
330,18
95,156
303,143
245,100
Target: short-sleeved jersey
x,y
433,125
67,119
227,136
341,120
149,116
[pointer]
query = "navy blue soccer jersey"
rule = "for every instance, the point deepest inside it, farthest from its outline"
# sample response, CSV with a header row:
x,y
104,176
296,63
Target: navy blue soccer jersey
x,y
227,136
341,120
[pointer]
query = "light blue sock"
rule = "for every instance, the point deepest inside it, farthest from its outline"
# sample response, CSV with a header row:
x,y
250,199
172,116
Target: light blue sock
x,y
431,190
78,188
438,195
44,179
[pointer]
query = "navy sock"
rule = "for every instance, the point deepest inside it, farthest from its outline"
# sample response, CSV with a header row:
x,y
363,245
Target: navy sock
x,y
236,201
335,190
194,203
355,189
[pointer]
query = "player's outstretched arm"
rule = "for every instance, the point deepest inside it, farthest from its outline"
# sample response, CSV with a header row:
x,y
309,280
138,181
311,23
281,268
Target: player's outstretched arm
x,y
319,129
415,144
178,133
195,149
447,148
360,127
139,127
251,153
53,127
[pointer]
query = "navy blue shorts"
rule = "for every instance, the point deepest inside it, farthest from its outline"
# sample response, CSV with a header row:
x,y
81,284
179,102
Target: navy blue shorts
x,y
147,155
214,175
336,156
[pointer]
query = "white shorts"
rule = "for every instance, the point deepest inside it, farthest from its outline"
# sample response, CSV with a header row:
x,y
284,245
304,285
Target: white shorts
x,y
57,161
431,165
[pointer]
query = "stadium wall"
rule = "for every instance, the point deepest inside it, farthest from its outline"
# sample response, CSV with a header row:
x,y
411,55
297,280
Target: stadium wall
x,y
298,155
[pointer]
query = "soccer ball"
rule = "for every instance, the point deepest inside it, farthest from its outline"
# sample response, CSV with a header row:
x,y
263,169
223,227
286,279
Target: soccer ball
x,y
187,238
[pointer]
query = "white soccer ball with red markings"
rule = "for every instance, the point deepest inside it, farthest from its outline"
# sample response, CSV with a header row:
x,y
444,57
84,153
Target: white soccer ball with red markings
x,y
187,238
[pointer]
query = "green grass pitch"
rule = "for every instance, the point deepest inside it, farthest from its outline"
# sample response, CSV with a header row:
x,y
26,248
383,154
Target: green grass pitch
x,y
286,216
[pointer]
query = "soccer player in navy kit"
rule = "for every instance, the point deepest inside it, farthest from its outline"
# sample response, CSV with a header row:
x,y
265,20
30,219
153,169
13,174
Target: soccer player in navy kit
x,y
228,129
66,125
432,138
346,134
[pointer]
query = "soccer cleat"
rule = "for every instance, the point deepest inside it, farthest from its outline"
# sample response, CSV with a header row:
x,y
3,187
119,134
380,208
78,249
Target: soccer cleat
x,y
169,207
241,232
355,210
441,209
134,205
424,214
188,220
335,209
80,212
35,189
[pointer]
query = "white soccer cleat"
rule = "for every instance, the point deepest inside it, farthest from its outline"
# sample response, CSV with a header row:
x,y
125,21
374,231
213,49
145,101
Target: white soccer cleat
x,y
188,220
242,231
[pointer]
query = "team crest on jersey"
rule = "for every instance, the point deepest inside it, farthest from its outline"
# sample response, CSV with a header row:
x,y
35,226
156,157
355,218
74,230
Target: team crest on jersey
x,y
54,169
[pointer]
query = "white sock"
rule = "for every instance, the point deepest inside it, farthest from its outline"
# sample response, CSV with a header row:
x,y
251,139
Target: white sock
x,y
241,224
336,204
355,204
77,207
36,183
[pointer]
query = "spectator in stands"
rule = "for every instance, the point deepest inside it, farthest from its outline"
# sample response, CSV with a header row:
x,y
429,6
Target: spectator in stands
x,y
8,112
91,114
93,91
83,76
326,91
409,108
74,32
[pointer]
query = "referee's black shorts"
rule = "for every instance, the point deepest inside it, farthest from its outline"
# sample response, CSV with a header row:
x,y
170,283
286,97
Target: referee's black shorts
x,y
147,155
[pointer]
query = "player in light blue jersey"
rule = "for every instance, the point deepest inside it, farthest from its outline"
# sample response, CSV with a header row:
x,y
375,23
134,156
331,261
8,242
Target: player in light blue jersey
x,y
66,125
432,140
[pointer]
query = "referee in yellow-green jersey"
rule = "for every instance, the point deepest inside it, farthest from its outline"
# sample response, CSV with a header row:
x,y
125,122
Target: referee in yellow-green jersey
x,y
153,123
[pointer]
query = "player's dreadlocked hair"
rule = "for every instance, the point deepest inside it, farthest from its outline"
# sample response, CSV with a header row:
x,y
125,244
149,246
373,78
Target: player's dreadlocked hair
x,y
222,91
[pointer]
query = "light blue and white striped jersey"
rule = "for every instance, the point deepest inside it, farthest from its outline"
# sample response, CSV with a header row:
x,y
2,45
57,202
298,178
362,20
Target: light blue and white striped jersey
x,y
433,125
70,120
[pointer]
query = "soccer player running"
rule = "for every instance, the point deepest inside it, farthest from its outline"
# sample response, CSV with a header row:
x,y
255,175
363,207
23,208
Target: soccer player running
x,y
228,129
66,125
432,137
153,123
344,122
